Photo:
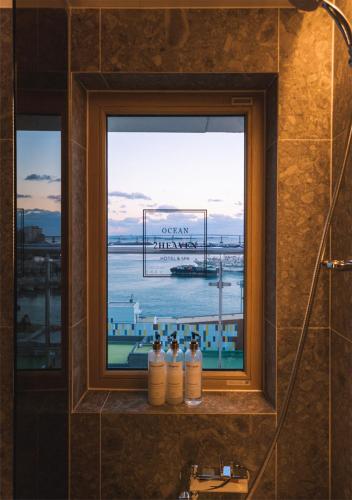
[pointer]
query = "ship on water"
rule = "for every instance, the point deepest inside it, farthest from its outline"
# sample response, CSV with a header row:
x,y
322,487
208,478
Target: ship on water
x,y
188,271
230,263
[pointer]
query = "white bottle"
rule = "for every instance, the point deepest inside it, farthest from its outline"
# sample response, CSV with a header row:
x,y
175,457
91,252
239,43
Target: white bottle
x,y
156,374
193,373
174,373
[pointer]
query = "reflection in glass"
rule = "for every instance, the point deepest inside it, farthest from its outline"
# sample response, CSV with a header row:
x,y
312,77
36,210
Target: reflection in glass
x,y
166,175
38,339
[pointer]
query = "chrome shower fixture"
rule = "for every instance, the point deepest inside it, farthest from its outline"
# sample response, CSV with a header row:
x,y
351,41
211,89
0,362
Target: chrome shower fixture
x,y
307,5
338,16
338,265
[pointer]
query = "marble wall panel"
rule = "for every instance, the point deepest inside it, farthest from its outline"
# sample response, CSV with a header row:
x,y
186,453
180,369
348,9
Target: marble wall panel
x,y
85,41
85,456
270,234
235,41
341,247
78,231
270,362
342,77
92,402
79,360
214,403
176,81
189,40
303,198
168,444
272,112
305,75
341,283
303,448
341,363
79,113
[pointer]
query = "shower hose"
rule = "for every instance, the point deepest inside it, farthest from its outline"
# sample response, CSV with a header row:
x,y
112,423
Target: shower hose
x,y
307,316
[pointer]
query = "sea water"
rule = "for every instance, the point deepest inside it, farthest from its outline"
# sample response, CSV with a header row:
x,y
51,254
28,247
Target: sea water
x,y
171,295
157,296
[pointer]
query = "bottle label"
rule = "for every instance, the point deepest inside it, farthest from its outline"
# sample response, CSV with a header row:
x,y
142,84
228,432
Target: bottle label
x,y
193,380
156,382
174,382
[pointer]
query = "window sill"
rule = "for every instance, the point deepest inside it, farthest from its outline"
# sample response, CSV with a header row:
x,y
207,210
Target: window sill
x,y
215,403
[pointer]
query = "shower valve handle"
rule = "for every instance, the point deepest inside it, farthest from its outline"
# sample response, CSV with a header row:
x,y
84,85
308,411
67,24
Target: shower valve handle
x,y
338,265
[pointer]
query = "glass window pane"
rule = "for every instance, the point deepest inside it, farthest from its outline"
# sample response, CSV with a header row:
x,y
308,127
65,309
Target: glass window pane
x,y
176,198
38,338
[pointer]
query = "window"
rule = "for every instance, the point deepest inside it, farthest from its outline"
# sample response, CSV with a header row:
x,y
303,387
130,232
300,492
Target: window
x,y
175,233
39,283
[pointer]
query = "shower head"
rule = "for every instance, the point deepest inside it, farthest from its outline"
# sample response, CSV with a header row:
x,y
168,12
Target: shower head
x,y
307,5
334,12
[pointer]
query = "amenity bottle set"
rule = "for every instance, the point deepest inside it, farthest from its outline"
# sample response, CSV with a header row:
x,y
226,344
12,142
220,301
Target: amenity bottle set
x,y
175,376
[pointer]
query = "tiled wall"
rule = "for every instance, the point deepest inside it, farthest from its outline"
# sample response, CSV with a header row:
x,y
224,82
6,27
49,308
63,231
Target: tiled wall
x,y
107,47
6,252
341,289
77,236
304,145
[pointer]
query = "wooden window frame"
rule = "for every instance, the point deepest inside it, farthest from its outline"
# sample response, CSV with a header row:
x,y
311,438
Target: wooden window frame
x,y
103,104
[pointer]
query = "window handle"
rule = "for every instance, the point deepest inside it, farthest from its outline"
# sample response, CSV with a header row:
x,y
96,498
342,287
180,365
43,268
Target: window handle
x,y
338,265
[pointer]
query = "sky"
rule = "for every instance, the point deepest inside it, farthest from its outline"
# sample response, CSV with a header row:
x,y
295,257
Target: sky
x,y
146,170
201,171
39,170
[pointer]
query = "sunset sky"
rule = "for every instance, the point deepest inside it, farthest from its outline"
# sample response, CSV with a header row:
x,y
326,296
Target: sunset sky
x,y
39,170
176,170
146,170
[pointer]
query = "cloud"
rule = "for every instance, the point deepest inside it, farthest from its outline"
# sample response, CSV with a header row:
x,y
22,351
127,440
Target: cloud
x,y
167,207
130,220
225,224
214,200
129,225
23,196
42,177
129,196
31,211
55,197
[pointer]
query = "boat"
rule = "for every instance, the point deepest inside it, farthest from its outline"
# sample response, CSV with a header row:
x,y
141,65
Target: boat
x,y
230,263
193,271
